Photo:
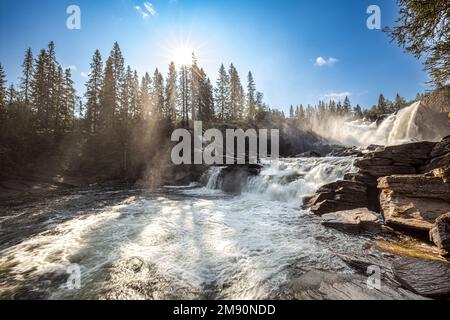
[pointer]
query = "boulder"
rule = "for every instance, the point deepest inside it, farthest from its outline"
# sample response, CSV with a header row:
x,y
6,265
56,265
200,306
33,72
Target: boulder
x,y
338,196
429,278
440,234
353,221
234,178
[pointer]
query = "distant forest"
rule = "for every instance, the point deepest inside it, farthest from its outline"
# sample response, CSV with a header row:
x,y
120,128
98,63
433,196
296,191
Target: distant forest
x,y
124,122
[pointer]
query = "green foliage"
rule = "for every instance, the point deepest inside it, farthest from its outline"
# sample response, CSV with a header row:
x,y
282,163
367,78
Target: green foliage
x,y
423,29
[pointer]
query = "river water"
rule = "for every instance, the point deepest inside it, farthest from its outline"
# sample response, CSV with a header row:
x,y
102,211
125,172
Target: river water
x,y
175,242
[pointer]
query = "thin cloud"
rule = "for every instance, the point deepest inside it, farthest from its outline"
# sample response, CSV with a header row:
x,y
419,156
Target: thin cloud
x,y
84,74
320,61
146,11
150,8
141,12
336,96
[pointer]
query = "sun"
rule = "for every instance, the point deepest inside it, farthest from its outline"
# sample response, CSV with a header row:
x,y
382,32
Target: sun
x,y
181,54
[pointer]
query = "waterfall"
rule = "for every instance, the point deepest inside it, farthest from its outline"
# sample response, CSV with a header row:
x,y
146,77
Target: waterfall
x,y
414,123
213,178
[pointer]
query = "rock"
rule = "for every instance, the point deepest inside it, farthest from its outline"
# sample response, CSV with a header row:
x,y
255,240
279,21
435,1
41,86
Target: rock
x,y
403,159
339,151
417,186
319,285
234,178
309,154
440,234
414,201
353,221
441,148
429,278
414,214
338,196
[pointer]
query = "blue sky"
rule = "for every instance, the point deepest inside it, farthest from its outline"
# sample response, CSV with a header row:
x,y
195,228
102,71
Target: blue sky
x,y
280,41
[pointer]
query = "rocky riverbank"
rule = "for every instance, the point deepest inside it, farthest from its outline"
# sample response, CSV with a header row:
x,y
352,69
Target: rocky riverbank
x,y
398,190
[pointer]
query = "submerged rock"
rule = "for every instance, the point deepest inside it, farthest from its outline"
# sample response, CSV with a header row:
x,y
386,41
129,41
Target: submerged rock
x,y
440,234
354,221
429,278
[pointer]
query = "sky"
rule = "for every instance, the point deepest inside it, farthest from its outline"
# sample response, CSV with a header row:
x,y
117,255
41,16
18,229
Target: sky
x,y
298,51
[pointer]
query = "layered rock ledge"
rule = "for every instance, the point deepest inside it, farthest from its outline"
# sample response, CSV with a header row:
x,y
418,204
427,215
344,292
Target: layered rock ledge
x,y
409,185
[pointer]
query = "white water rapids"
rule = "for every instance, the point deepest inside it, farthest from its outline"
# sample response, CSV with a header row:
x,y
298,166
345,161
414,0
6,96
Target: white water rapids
x,y
188,242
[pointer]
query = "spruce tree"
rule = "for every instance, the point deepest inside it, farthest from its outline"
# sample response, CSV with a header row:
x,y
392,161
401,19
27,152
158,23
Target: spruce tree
x,y
251,99
27,76
2,90
108,96
94,93
347,107
222,94
171,94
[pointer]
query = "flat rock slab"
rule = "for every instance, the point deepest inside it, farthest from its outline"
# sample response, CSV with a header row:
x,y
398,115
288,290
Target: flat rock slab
x,y
353,221
429,278
320,285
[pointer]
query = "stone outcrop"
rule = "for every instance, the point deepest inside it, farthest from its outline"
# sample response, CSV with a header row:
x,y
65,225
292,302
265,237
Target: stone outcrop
x,y
440,234
234,178
409,184
338,196
428,278
354,221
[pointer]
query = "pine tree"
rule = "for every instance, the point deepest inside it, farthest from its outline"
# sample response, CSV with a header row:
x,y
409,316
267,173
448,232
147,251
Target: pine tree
x,y
185,94
2,91
382,105
118,77
358,112
108,96
171,94
27,76
399,103
236,94
251,102
291,112
145,94
423,29
70,101
222,94
135,106
39,90
158,95
347,107
94,93
195,89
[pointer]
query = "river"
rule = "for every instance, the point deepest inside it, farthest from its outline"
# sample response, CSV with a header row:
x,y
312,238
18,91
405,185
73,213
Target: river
x,y
189,242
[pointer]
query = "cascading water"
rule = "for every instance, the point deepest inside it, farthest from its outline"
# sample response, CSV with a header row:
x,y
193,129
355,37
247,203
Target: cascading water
x,y
187,243
411,124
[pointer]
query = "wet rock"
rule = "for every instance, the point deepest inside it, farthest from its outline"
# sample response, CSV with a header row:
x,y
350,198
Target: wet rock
x,y
309,154
319,285
338,196
339,151
440,234
429,278
353,221
234,178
